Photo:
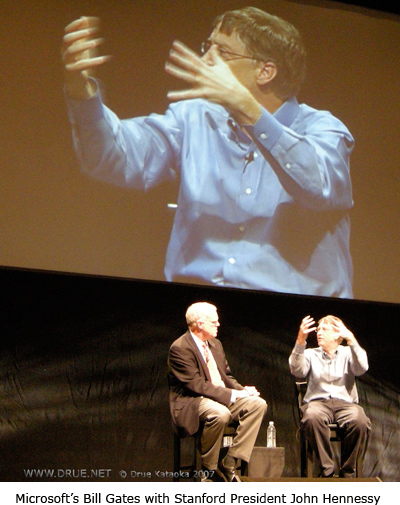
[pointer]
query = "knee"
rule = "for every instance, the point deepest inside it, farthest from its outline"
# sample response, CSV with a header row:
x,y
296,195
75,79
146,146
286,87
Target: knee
x,y
261,403
224,416
255,403
360,422
313,420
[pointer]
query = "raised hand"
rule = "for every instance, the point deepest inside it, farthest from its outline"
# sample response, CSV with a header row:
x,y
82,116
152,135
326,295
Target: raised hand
x,y
343,332
211,79
79,55
307,326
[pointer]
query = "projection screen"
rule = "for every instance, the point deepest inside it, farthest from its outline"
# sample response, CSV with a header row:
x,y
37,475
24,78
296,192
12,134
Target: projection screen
x,y
53,217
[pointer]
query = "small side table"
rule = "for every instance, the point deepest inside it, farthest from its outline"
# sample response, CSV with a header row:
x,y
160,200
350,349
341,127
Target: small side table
x,y
266,462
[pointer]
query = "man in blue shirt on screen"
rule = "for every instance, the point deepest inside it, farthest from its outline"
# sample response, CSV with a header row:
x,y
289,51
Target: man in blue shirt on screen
x,y
265,184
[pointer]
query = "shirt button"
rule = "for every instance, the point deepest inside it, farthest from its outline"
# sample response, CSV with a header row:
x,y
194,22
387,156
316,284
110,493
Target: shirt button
x,y
255,155
241,228
288,166
248,191
232,261
263,136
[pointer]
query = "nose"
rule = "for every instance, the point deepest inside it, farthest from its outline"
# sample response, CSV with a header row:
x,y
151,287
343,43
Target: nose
x,y
207,58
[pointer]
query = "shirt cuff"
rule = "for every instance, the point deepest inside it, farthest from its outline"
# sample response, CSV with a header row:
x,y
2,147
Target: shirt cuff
x,y
266,131
299,349
85,112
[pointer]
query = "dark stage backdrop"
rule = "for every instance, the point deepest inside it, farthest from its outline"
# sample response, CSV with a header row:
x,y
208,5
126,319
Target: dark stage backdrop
x,y
83,371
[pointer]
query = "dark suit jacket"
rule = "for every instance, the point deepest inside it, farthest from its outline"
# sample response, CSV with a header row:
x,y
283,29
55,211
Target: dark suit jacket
x,y
189,380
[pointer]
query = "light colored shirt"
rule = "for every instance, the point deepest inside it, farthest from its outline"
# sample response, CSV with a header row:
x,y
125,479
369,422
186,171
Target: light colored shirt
x,y
329,377
268,212
199,344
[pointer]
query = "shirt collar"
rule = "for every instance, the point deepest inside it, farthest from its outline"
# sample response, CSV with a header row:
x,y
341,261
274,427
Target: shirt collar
x,y
326,355
200,343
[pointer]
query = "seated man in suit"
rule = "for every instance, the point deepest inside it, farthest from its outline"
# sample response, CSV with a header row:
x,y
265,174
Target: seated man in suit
x,y
202,389
331,395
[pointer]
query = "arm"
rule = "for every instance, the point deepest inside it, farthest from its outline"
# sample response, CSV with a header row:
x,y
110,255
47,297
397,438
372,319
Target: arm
x,y
311,161
139,153
237,390
299,364
359,359
311,157
184,366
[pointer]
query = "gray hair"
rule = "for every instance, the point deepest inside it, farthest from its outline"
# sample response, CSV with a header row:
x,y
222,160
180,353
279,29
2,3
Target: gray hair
x,y
198,310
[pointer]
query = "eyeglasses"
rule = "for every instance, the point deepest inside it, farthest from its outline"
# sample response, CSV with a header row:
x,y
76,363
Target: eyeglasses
x,y
224,53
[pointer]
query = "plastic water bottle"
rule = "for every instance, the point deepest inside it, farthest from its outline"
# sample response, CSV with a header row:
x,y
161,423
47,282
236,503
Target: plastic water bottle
x,y
271,435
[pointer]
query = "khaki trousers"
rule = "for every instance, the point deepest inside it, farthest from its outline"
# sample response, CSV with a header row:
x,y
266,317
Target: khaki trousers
x,y
249,412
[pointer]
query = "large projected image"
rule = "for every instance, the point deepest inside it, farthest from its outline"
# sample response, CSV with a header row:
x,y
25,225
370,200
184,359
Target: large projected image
x,y
212,160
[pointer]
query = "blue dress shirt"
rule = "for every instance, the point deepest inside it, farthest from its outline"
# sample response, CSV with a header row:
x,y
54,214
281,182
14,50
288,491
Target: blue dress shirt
x,y
262,207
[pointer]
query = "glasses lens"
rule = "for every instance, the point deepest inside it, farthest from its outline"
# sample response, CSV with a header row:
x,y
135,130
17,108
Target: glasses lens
x,y
205,46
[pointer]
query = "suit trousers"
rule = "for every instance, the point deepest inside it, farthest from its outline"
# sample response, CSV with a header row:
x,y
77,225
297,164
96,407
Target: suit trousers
x,y
351,419
249,412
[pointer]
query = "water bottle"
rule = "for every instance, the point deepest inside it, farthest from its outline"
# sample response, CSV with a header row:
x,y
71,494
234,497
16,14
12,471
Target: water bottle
x,y
271,435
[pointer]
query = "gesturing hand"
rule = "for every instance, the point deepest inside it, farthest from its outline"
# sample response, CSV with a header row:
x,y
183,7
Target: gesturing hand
x,y
307,326
79,55
212,80
344,332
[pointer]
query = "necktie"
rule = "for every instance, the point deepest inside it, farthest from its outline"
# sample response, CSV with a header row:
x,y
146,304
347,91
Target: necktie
x,y
212,367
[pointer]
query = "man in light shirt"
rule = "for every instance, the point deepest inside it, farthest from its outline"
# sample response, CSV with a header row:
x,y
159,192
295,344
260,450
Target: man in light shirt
x,y
331,396
203,390
264,181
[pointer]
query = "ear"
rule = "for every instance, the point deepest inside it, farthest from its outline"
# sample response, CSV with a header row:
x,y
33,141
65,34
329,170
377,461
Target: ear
x,y
266,73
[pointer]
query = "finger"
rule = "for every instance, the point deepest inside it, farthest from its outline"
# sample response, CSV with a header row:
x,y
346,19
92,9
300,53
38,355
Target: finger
x,y
179,73
72,37
307,329
183,62
82,22
184,50
86,63
186,94
74,50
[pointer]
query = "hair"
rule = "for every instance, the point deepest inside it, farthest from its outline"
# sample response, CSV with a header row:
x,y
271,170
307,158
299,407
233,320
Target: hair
x,y
269,38
196,311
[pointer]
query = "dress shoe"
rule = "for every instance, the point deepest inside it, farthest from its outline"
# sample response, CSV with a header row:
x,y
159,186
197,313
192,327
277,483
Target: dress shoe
x,y
228,473
207,475
347,475
330,476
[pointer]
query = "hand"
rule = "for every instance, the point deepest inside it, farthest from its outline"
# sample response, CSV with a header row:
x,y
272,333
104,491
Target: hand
x,y
307,326
79,56
343,332
241,393
212,80
252,390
